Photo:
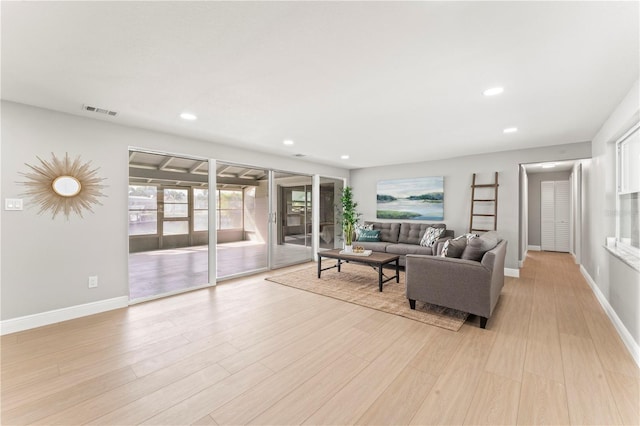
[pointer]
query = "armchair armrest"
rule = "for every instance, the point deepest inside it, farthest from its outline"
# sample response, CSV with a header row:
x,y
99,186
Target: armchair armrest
x,y
454,283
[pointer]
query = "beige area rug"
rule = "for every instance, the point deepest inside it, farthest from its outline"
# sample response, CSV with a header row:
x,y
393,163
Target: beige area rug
x,y
359,284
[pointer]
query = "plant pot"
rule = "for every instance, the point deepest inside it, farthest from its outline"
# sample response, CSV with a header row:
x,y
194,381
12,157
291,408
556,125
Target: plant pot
x,y
348,248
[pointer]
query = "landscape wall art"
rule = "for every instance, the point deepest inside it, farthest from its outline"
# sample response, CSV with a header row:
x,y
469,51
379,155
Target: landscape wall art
x,y
415,198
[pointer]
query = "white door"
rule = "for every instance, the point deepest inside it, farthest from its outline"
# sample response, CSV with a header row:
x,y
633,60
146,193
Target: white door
x,y
562,211
554,214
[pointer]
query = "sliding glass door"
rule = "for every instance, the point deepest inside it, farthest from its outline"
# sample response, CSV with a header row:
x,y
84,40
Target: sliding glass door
x,y
168,232
242,219
330,235
292,219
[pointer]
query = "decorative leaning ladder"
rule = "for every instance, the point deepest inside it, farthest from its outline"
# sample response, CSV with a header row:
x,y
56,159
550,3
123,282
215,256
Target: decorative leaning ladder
x,y
474,200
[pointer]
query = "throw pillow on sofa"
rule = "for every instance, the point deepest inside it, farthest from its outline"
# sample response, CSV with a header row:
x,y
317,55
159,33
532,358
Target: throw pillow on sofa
x,y
431,236
477,247
369,236
454,247
360,227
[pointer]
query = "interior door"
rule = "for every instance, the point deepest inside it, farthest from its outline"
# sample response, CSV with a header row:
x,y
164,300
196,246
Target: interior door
x,y
562,213
554,215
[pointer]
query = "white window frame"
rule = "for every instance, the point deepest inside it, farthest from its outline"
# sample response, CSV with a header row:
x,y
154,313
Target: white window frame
x,y
624,139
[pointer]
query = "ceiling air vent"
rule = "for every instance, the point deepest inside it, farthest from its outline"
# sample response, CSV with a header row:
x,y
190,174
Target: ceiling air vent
x,y
99,110
299,155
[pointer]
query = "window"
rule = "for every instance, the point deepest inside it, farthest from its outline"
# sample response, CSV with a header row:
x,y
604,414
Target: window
x,y
143,210
176,211
229,212
628,178
200,209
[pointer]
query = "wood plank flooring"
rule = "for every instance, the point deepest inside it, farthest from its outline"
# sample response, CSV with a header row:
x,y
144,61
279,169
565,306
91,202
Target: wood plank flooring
x,y
163,272
254,352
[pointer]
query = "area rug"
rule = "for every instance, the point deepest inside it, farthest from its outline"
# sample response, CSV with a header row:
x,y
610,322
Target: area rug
x,y
359,284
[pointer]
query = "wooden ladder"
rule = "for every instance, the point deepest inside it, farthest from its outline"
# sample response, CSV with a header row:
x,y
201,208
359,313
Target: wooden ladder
x,y
475,200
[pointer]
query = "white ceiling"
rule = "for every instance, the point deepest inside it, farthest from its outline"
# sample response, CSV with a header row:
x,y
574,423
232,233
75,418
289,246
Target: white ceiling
x,y
384,82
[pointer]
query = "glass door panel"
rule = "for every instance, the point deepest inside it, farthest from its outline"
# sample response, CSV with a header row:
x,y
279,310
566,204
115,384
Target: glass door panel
x,y
168,243
330,235
242,219
292,225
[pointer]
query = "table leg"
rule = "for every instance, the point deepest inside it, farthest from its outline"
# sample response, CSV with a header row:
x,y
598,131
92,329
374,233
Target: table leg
x,y
319,266
339,263
397,271
380,277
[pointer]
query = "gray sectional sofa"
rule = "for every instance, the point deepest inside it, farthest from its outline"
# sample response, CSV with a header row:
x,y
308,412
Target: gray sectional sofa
x,y
403,238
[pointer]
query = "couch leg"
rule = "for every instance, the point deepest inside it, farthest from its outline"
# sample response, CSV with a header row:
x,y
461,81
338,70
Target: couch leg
x,y
483,322
412,303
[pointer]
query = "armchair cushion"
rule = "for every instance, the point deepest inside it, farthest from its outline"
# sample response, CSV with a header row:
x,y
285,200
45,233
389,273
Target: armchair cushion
x,y
477,247
454,247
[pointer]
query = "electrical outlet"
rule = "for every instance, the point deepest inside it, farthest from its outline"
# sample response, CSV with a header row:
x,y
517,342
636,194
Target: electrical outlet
x,y
93,281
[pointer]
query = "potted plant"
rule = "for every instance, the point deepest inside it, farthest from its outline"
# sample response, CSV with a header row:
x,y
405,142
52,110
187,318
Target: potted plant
x,y
348,216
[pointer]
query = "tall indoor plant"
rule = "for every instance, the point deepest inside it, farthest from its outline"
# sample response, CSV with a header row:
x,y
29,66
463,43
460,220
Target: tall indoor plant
x,y
348,216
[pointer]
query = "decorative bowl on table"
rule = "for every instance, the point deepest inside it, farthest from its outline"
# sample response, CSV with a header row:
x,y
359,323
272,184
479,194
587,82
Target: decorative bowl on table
x,y
358,249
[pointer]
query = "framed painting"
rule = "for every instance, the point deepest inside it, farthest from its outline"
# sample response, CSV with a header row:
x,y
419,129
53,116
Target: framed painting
x,y
414,198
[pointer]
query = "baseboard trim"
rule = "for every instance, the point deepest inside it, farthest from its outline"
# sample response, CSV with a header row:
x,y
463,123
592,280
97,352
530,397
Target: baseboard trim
x,y
534,248
510,272
27,322
626,337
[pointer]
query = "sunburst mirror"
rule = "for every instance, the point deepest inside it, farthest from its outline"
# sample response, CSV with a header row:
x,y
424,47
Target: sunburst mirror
x,y
63,186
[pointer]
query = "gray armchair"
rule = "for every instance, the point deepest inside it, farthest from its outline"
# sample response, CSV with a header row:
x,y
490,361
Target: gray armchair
x,y
465,285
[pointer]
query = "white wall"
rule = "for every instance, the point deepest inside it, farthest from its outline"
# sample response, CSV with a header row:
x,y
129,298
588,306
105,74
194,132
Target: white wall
x,y
617,282
45,262
457,174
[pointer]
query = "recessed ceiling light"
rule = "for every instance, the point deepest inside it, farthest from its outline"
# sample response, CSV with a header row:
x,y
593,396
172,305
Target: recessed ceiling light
x,y
187,116
510,130
493,91
344,157
287,142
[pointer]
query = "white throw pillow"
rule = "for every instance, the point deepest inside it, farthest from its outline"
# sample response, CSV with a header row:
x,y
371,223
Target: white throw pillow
x,y
431,236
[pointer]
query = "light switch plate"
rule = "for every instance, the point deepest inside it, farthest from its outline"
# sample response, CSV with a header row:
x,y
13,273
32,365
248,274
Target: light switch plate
x,y
13,203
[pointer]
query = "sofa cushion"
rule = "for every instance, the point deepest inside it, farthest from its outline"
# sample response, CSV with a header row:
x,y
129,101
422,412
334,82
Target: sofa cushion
x,y
367,235
431,236
454,247
403,249
412,233
380,246
389,231
477,247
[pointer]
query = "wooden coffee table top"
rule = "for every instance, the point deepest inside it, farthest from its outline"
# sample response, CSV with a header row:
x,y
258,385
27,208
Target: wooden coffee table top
x,y
375,257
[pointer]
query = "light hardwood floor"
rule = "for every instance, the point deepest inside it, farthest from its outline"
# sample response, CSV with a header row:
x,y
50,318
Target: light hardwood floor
x,y
162,272
253,352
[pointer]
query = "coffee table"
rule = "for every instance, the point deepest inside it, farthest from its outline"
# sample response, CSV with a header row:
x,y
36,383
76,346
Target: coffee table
x,y
375,260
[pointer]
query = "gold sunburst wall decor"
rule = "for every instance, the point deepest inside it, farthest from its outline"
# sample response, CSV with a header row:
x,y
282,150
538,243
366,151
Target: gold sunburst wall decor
x,y
63,186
